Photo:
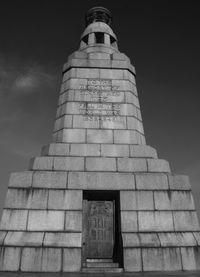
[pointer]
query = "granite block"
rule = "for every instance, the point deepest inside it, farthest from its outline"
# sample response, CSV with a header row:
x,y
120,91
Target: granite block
x,y
10,258
56,149
68,163
136,200
85,150
179,182
114,150
73,221
129,221
100,180
186,221
62,239
20,179
157,165
46,221
65,200
151,181
132,260
50,179
72,260
155,221
177,239
174,200
41,163
14,220
99,136
100,164
142,151
72,136
31,260
131,164
24,238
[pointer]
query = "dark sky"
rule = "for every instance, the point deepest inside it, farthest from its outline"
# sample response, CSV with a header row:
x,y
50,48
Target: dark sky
x,y
162,38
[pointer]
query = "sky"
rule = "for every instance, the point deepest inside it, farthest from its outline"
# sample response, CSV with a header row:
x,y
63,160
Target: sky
x,y
160,37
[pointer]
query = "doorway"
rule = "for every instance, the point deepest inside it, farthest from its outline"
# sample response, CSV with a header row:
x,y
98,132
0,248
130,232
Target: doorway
x,y
101,226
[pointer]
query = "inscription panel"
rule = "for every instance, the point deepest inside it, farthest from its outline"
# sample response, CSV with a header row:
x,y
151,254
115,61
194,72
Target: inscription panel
x,y
100,91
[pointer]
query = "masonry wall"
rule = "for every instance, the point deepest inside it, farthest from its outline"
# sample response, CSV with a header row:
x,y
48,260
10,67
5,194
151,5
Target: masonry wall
x,y
98,144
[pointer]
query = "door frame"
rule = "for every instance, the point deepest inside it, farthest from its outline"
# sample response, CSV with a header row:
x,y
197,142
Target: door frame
x,y
102,195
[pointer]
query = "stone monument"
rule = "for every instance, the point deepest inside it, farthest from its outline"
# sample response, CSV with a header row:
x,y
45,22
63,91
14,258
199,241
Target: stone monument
x,y
98,199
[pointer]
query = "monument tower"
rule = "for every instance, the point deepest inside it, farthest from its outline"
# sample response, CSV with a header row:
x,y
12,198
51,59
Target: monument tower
x,y
98,198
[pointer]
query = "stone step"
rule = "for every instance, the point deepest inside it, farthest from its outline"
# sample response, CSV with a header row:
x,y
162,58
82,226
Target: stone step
x,y
102,270
99,260
101,265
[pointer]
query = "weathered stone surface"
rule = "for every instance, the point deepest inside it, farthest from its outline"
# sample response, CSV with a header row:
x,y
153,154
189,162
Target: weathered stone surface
x,y
51,260
129,221
56,149
80,122
46,221
119,123
85,150
174,200
149,240
190,258
131,98
151,181
140,240
135,124
186,221
41,163
131,165
90,72
26,198
132,260
68,163
73,221
9,258
155,221
157,165
172,259
71,259
127,136
177,239
41,259
70,135
99,136
65,200
157,259
114,150
14,220
21,179
179,182
24,238
50,179
101,164
111,74
31,259
142,151
63,239
2,237
136,200
197,237
100,180
63,122
130,240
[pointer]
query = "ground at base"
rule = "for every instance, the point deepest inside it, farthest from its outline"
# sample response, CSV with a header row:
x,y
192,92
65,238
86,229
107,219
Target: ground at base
x,y
146,274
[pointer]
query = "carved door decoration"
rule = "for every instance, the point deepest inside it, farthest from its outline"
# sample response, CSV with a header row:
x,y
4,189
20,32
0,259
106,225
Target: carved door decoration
x,y
99,229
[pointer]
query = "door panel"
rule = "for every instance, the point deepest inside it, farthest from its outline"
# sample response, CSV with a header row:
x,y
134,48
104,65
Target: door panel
x,y
99,229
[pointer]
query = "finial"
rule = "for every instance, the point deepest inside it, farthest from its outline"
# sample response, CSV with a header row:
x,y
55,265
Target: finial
x,y
98,14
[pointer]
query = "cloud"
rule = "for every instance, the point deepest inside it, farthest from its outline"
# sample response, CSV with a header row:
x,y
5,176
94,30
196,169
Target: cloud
x,y
18,78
